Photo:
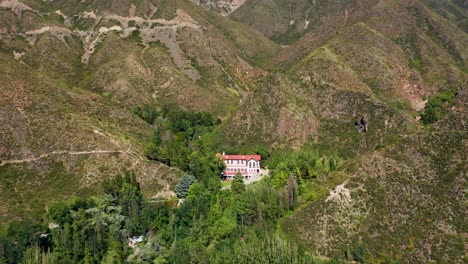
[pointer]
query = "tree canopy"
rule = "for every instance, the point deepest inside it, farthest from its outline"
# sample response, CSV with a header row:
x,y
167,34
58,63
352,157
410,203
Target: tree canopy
x,y
183,186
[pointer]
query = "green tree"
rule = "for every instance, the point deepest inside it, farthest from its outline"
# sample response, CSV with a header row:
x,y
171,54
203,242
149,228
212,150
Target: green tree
x,y
223,227
58,212
238,185
36,255
183,186
88,257
145,112
113,254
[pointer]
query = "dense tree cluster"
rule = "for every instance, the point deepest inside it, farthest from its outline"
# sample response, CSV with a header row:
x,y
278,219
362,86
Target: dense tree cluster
x,y
176,138
210,226
146,112
305,164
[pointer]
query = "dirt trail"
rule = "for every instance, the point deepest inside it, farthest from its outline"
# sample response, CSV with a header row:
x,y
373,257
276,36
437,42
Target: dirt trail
x,y
113,140
150,30
60,152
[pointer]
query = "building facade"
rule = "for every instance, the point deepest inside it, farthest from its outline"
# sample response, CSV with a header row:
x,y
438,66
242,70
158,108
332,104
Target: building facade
x,y
247,165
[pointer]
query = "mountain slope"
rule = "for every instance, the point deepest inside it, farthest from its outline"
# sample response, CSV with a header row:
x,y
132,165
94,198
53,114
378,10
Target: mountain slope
x,y
71,75
286,21
407,203
383,64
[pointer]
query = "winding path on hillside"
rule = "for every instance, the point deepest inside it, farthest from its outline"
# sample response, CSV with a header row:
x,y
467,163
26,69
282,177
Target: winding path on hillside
x,y
60,152
111,138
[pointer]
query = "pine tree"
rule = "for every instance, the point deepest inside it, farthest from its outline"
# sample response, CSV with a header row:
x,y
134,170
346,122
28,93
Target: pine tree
x,y
183,186
238,185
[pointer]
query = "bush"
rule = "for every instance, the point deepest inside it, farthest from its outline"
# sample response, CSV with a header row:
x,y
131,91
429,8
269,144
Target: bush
x,y
434,108
359,253
430,115
146,112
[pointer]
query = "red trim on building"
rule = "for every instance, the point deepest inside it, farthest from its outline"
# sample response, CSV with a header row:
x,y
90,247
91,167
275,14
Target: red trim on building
x,y
242,157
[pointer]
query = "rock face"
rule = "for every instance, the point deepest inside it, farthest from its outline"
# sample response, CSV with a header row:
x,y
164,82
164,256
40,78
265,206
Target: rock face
x,y
224,7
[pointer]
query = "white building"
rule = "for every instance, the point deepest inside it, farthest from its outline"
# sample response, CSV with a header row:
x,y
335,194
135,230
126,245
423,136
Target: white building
x,y
247,165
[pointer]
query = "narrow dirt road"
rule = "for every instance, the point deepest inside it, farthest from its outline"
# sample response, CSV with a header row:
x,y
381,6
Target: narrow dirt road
x,y
60,152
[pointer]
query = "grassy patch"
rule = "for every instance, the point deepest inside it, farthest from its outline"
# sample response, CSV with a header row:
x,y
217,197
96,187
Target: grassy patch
x,y
410,46
27,191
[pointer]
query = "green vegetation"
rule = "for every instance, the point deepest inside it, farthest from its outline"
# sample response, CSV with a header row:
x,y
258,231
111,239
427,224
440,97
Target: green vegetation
x,y
15,238
287,38
410,45
436,106
175,139
238,185
306,164
146,112
183,186
359,253
211,226
26,201
397,181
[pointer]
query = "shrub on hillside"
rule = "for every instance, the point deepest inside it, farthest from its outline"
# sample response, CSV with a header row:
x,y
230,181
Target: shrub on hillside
x,y
434,108
146,112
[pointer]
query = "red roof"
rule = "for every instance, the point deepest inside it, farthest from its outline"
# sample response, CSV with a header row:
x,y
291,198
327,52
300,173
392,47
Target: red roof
x,y
242,157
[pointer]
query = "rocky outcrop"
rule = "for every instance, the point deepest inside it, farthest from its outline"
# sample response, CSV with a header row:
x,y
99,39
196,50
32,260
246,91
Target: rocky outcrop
x,y
15,6
224,7
148,30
